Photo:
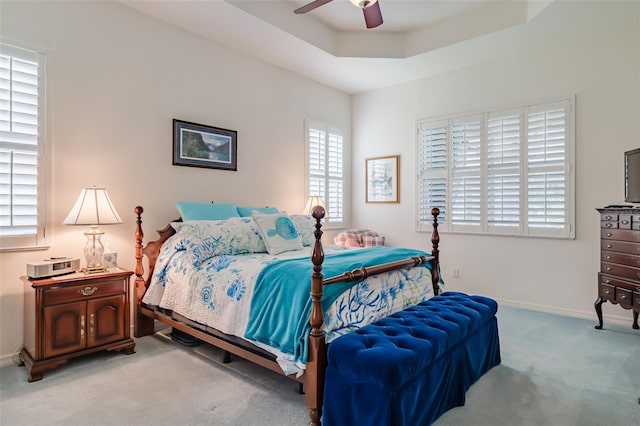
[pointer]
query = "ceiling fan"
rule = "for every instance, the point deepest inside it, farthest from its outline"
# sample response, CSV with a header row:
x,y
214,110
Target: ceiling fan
x,y
370,8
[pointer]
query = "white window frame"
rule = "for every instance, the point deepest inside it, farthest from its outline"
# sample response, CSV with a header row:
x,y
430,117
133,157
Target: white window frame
x,y
437,171
40,239
335,203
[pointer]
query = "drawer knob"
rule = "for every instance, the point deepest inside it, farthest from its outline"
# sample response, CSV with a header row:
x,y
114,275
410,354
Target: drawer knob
x,y
87,291
625,222
607,292
623,296
607,257
609,246
609,234
608,217
607,225
606,281
607,268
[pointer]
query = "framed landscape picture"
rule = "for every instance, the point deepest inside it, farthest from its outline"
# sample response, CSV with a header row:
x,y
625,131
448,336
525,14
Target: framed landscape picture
x,y
382,179
198,145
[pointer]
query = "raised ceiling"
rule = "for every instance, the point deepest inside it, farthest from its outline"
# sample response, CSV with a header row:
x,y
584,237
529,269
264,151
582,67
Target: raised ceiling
x,y
331,44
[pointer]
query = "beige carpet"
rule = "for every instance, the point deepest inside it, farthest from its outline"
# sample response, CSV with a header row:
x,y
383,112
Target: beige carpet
x,y
555,371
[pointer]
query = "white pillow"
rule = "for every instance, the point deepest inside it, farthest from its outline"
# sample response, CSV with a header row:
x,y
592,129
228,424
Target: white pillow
x,y
205,239
305,225
278,232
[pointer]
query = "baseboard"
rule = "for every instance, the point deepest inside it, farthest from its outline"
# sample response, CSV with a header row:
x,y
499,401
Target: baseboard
x,y
574,313
6,360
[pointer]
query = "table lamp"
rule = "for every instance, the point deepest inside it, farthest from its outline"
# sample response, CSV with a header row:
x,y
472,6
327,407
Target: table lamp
x,y
93,207
314,200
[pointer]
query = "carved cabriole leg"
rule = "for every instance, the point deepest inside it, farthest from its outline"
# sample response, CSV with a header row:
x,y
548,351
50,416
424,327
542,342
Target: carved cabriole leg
x,y
635,320
143,325
317,361
598,305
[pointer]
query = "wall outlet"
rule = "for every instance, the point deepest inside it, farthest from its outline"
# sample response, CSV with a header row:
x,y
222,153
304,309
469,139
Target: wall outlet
x,y
456,273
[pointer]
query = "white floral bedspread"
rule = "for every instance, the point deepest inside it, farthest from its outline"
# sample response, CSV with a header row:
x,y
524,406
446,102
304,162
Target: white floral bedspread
x,y
218,292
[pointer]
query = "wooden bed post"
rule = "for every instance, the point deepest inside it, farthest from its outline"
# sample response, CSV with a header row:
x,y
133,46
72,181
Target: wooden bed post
x,y
317,360
143,325
435,252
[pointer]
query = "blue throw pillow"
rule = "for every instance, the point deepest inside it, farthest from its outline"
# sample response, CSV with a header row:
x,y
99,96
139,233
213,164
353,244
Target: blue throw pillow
x,y
206,211
248,211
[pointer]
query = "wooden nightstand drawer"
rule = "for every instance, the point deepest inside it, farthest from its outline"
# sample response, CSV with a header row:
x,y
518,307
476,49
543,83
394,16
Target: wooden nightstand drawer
x,y
64,294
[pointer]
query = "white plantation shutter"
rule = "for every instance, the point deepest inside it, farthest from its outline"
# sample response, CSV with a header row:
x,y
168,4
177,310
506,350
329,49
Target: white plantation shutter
x,y
432,172
465,173
21,148
503,172
325,165
546,168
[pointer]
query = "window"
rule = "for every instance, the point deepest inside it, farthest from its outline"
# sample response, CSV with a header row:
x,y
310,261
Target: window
x,y
325,170
507,172
22,148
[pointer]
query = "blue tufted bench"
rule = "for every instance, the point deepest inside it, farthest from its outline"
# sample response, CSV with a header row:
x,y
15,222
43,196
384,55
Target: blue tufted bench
x,y
412,366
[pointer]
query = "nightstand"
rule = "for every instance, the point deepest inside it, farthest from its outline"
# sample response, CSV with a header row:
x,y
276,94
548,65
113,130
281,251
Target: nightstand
x,y
74,315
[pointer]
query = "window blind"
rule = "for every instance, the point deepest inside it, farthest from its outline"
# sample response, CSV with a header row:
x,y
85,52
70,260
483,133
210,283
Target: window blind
x,y
325,148
21,145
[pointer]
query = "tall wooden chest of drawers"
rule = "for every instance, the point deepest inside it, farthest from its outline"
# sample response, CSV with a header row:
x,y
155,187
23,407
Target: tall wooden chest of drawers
x,y
619,276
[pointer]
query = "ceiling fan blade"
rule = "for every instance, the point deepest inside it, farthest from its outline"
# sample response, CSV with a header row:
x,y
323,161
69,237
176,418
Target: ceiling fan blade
x,y
310,6
372,15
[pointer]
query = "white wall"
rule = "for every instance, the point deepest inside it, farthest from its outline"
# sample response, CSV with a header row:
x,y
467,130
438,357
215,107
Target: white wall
x,y
590,49
117,79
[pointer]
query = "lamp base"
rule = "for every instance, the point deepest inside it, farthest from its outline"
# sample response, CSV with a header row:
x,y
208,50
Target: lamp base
x,y
93,270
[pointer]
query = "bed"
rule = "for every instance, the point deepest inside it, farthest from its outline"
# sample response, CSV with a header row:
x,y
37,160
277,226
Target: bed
x,y
238,307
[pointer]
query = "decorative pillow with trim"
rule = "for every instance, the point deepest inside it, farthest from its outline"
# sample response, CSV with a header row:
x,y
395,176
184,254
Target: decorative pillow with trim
x,y
278,232
305,225
205,239
206,211
248,211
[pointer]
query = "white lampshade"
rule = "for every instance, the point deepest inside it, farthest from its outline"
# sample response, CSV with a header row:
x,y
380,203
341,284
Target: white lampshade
x,y
93,207
314,200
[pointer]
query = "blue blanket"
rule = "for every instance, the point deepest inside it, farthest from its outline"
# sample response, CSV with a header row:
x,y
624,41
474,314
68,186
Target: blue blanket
x,y
281,303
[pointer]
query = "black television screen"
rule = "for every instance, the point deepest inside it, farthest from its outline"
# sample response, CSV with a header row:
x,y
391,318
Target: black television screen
x,y
632,176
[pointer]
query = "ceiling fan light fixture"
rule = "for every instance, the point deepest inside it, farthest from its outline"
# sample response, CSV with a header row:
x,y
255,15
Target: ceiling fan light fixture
x,y
363,4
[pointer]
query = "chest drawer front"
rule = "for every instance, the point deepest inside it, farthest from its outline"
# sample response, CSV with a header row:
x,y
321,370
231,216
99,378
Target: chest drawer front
x,y
607,291
620,246
615,282
609,225
624,297
620,271
622,259
55,295
624,222
608,217
621,235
